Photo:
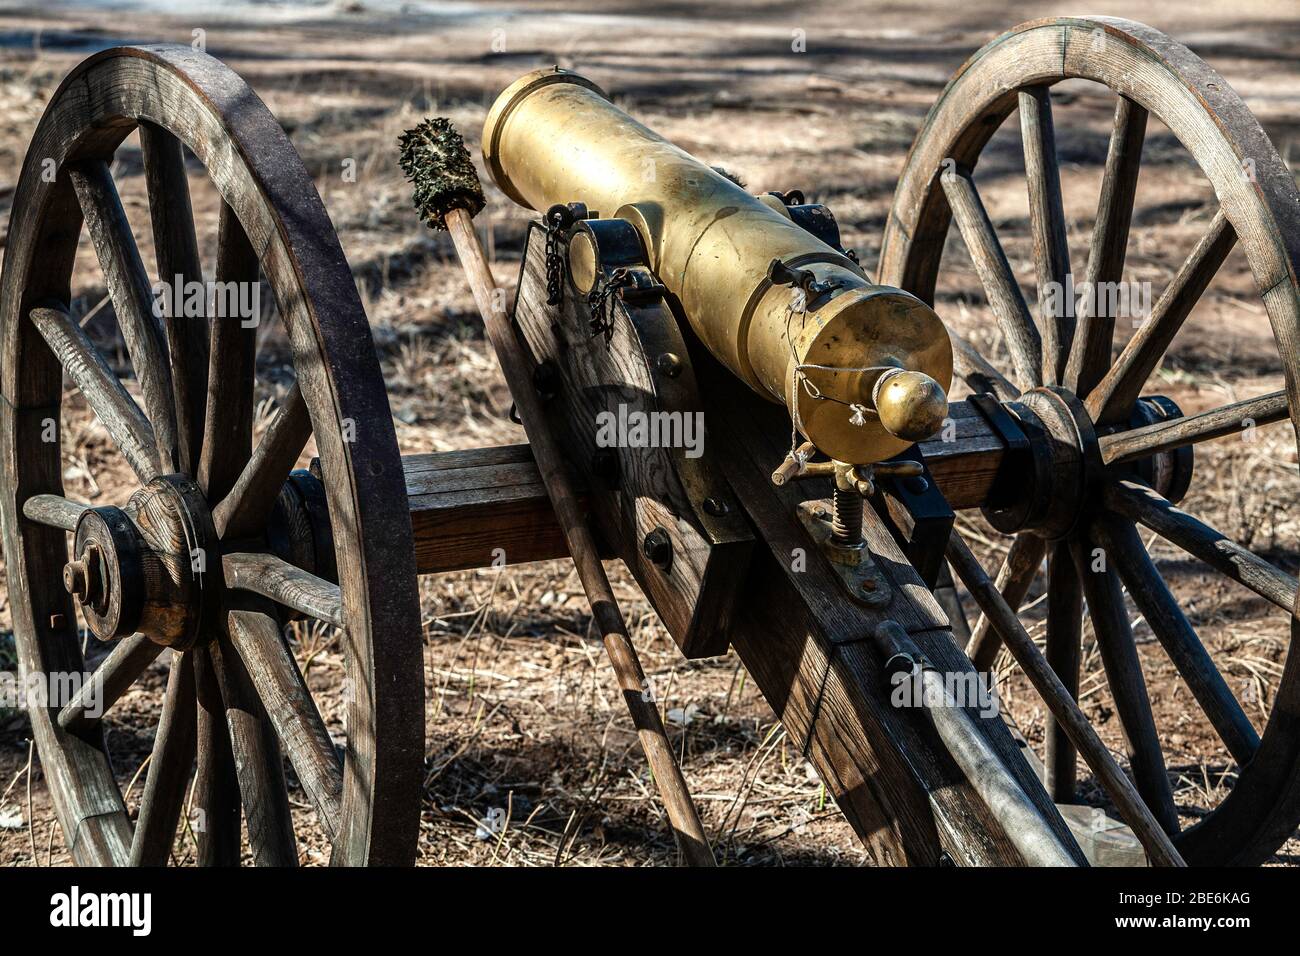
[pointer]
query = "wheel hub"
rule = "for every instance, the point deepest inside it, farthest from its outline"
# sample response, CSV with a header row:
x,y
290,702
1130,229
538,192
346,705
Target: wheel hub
x,y
147,567
1054,476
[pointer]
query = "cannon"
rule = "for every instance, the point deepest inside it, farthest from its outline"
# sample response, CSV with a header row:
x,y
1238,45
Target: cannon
x,y
733,263
654,293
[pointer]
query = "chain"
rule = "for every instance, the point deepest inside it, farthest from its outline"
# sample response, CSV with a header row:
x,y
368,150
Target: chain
x,y
602,320
554,266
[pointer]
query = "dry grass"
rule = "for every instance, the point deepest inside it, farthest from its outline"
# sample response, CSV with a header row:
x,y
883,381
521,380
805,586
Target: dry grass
x,y
524,725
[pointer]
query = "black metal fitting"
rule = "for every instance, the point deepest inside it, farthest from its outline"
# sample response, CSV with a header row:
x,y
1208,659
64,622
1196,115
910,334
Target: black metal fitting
x,y
658,547
605,466
546,380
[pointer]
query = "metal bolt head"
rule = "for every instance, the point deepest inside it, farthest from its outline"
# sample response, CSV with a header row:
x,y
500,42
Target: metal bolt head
x,y
670,364
658,547
83,578
76,580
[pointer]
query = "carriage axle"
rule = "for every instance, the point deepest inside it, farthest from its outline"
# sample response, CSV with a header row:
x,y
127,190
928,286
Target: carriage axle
x,y
488,507
471,508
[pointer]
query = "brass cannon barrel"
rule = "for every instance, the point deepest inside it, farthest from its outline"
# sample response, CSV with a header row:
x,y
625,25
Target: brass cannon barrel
x,y
823,339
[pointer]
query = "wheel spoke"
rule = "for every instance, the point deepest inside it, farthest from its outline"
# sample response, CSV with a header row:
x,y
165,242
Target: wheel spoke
x,y
273,577
1205,426
1090,351
1112,400
54,511
228,426
113,678
1014,579
1061,704
1047,220
1064,632
1128,688
271,666
128,287
169,768
177,254
1000,286
945,592
1176,635
216,788
245,511
977,372
258,764
104,393
1139,503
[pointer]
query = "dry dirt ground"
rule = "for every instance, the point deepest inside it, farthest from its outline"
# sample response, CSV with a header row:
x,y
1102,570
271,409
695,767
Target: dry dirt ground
x,y
523,716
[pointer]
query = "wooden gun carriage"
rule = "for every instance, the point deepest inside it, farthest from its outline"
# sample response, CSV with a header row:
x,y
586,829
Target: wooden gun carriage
x,y
1071,454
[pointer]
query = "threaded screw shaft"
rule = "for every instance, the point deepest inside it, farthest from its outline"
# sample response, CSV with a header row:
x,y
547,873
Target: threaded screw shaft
x,y
846,522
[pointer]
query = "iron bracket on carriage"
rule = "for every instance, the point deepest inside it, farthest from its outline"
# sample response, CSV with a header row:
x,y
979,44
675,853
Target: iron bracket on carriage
x,y
716,392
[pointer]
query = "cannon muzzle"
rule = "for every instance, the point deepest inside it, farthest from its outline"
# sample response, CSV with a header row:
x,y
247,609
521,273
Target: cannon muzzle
x,y
863,368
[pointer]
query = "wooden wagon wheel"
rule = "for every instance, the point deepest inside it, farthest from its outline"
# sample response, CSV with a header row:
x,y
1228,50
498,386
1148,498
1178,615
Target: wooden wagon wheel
x,y
1067,368
140,571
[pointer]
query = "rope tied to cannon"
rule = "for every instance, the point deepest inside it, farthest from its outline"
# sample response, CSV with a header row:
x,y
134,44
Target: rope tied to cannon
x,y
858,411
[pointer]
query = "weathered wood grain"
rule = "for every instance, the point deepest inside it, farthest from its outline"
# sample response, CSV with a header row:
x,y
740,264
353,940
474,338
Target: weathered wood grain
x,y
657,489
1062,651
288,704
1000,286
1139,503
54,511
273,577
232,360
1176,635
1047,225
169,768
258,764
215,805
1015,576
692,842
1119,658
103,391
1257,195
485,507
809,650
1061,703
245,510
113,678
1205,426
1111,402
290,241
1090,353
482,507
132,296
176,253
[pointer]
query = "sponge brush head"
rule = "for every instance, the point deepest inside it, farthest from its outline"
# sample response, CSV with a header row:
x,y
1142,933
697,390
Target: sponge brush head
x,y
438,165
